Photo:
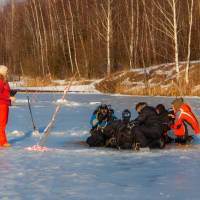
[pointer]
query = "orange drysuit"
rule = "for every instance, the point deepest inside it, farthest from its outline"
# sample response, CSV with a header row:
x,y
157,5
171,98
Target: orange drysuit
x,y
185,119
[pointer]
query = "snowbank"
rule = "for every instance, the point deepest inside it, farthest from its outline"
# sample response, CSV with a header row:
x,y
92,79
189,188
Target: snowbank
x,y
75,87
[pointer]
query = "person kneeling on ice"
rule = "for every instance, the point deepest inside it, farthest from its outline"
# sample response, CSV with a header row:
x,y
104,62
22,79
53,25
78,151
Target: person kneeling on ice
x,y
123,134
167,119
118,132
100,119
5,101
185,122
147,128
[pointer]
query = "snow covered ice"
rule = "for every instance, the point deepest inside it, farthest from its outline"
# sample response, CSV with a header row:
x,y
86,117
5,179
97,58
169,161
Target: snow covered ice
x,y
75,172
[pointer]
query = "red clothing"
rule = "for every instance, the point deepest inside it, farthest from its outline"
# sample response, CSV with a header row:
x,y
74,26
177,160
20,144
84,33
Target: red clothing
x,y
4,110
185,116
4,93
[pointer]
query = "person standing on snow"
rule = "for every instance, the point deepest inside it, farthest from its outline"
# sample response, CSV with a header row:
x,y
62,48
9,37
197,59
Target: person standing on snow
x,y
185,121
5,101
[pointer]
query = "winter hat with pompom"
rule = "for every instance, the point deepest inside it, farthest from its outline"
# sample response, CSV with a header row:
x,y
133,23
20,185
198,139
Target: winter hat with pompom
x,y
3,70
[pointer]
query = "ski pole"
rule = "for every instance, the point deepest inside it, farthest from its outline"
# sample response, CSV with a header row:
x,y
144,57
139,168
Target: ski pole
x,y
31,114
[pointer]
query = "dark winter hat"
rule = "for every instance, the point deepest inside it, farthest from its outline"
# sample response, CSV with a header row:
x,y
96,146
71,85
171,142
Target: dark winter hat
x,y
160,108
140,104
126,114
103,106
177,103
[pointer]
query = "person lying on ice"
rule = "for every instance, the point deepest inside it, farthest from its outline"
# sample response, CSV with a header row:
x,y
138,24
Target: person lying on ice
x,y
100,119
148,129
5,101
185,122
167,119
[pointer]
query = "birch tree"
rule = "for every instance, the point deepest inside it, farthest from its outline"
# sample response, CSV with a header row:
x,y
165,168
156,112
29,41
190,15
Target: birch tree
x,y
168,24
106,33
189,41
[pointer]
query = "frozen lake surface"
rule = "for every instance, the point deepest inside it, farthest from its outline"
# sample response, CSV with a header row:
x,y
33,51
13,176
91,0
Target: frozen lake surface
x,y
74,172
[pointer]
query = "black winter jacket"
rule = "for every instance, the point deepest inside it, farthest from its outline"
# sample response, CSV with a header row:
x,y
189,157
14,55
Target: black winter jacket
x,y
166,120
147,117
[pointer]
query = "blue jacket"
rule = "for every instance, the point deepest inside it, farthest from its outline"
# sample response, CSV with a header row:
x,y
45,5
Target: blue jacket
x,y
95,123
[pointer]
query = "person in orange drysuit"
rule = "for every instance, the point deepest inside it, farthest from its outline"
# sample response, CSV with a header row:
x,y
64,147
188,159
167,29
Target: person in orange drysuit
x,y
5,101
185,121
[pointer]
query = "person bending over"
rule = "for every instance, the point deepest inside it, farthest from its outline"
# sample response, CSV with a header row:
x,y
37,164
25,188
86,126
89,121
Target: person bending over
x,y
147,130
167,119
125,139
118,133
185,122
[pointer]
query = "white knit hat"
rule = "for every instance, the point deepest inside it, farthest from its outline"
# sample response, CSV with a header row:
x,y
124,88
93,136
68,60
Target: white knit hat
x,y
3,70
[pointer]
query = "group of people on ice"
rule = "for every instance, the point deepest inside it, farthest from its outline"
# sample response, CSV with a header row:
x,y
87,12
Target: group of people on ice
x,y
150,129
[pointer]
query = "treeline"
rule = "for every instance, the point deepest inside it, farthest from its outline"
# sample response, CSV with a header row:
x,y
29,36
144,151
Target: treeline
x,y
94,38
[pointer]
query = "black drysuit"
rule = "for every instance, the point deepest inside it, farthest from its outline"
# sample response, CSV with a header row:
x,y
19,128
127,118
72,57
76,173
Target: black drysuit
x,y
166,122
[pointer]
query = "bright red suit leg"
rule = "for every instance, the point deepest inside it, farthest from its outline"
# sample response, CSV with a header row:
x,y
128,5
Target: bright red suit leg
x,y
4,109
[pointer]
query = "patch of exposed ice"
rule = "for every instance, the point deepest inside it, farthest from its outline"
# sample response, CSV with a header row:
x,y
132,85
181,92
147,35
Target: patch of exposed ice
x,y
17,133
67,102
94,102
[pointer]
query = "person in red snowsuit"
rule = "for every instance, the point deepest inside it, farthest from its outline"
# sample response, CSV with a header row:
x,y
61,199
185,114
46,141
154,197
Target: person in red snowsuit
x,y
5,101
185,121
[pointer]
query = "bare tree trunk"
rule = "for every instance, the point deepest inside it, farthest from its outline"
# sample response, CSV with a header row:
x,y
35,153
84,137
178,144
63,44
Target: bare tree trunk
x,y
137,34
45,44
40,38
86,62
189,42
73,39
132,36
58,26
12,33
169,26
67,35
108,38
176,38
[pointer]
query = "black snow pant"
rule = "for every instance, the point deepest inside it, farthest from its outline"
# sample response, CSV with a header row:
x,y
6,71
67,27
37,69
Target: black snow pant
x,y
148,136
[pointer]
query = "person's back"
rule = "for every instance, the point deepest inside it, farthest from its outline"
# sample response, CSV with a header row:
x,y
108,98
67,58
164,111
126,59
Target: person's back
x,y
118,131
165,117
148,129
189,117
124,134
186,122
147,117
